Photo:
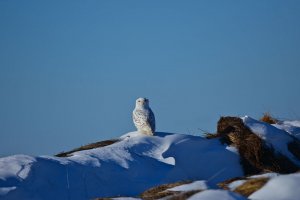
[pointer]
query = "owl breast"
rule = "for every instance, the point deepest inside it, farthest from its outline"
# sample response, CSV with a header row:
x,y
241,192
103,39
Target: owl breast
x,y
144,121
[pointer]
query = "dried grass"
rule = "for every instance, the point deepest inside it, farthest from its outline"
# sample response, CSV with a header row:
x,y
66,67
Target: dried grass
x,y
87,147
184,195
267,117
251,186
255,155
224,184
162,191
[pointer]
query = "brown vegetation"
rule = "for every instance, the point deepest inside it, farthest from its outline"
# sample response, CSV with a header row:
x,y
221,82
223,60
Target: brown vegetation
x,y
184,195
224,184
251,186
255,155
268,119
87,147
162,191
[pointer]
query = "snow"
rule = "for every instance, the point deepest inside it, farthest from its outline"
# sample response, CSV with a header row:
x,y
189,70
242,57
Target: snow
x,y
277,138
216,195
5,190
266,175
126,168
292,127
233,149
17,166
138,162
232,186
196,185
283,187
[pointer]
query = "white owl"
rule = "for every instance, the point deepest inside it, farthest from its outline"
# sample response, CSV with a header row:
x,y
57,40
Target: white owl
x,y
143,117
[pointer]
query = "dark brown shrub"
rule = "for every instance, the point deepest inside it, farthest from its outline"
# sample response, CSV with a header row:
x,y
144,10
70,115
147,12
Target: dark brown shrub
x,y
268,119
255,155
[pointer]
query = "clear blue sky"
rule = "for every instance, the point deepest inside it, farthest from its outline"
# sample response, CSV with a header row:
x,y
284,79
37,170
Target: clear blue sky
x,y
70,71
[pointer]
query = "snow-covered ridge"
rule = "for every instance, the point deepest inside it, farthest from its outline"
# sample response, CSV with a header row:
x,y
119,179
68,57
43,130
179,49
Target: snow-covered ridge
x,y
126,168
292,127
274,135
133,165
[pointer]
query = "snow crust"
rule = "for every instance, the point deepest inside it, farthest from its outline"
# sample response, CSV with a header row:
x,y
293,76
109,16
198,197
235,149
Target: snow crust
x,y
283,187
196,185
292,127
266,175
17,166
233,185
216,195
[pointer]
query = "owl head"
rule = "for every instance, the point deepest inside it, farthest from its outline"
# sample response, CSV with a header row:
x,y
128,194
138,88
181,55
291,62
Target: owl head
x,y
142,102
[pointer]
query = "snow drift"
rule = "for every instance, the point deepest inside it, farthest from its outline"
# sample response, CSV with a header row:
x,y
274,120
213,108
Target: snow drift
x,y
137,162
126,168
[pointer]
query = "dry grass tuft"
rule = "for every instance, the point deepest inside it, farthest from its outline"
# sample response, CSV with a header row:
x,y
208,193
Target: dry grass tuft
x,y
251,186
162,191
87,147
256,156
268,118
210,135
224,184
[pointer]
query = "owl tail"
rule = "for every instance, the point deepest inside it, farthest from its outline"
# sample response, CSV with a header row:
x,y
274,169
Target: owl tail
x,y
147,132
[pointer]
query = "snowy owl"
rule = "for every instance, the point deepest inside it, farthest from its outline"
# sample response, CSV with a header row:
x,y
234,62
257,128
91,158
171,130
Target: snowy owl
x,y
143,117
